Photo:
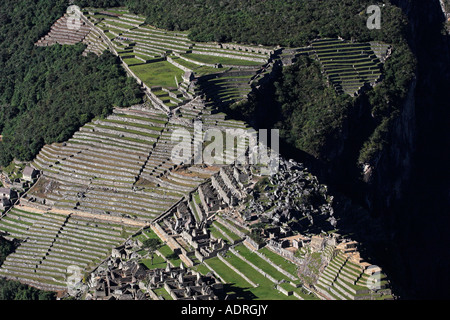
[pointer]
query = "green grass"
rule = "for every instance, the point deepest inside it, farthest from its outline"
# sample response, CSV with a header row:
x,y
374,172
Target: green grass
x,y
280,261
116,23
158,262
196,198
299,291
227,274
160,73
154,136
201,268
162,292
216,234
166,251
260,263
195,211
133,61
151,234
266,289
227,231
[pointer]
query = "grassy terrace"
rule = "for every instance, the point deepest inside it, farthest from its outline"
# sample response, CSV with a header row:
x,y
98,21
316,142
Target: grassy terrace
x,y
154,136
152,119
138,125
237,226
197,69
223,60
116,23
180,34
112,144
216,234
348,65
117,136
158,262
170,39
227,231
280,261
163,292
300,291
265,290
133,61
260,263
227,274
167,252
110,35
160,73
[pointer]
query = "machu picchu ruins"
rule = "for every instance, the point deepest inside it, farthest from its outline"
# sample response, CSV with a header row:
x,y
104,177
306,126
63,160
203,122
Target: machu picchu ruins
x,y
224,231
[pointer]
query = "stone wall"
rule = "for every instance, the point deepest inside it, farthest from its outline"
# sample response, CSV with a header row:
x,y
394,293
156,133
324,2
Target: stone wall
x,y
239,47
194,61
231,227
179,66
268,276
284,253
253,245
224,55
287,274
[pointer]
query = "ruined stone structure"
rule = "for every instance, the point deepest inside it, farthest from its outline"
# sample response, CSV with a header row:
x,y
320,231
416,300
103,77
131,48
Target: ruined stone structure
x,y
123,279
65,31
117,175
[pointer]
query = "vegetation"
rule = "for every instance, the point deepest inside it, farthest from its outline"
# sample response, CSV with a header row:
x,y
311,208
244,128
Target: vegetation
x,y
287,23
13,290
6,247
46,94
312,122
334,128
151,245
160,73
311,114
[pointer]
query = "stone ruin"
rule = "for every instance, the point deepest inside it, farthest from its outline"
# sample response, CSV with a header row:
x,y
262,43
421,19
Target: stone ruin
x,y
122,277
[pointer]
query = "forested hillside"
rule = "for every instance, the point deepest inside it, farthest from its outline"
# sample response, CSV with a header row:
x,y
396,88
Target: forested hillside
x,y
274,22
297,23
46,94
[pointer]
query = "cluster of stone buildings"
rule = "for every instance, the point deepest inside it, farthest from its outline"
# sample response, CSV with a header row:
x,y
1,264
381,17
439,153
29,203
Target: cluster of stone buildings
x,y
292,195
13,189
123,277
181,222
183,284
6,198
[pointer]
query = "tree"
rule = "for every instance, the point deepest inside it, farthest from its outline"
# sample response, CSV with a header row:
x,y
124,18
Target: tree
x,y
6,247
151,245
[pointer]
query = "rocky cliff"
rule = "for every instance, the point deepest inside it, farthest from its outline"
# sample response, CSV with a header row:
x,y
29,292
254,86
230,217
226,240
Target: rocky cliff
x,y
415,219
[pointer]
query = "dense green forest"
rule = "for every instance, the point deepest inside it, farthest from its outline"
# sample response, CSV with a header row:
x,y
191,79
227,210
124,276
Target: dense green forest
x,y
46,94
311,114
54,112
311,117
56,91
270,22
14,290
6,247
